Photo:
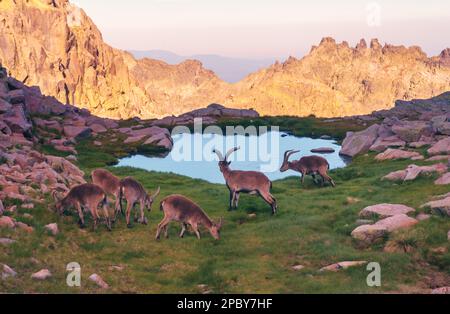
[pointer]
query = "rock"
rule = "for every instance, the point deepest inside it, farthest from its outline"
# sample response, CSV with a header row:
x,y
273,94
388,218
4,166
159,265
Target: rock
x,y
323,150
298,267
43,274
134,139
16,120
16,96
438,158
77,132
396,176
66,149
4,106
440,148
442,290
24,227
2,208
6,241
393,154
385,210
52,228
97,143
98,281
342,265
359,142
7,222
27,206
8,272
72,158
441,206
116,268
411,131
397,222
368,234
413,171
381,144
352,200
423,217
443,180
98,128
361,222
252,216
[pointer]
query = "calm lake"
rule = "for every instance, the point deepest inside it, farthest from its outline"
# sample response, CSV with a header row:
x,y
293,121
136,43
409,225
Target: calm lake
x,y
192,155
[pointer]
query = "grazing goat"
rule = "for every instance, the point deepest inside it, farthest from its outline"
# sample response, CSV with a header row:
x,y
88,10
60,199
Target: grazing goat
x,y
183,210
251,182
85,196
134,192
110,184
310,165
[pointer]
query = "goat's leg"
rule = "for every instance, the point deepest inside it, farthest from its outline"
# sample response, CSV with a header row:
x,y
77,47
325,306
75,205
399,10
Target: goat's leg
x,y
166,231
195,228
269,199
326,177
142,208
106,214
236,200
130,205
303,177
80,214
232,196
94,213
161,226
183,230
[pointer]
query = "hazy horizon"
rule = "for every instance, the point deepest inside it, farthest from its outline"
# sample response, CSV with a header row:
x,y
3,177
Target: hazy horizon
x,y
266,28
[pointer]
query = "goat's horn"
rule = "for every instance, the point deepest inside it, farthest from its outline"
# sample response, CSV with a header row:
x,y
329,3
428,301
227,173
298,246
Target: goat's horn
x,y
231,151
219,154
156,193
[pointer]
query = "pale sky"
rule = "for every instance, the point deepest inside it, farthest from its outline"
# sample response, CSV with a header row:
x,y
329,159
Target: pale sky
x,y
267,28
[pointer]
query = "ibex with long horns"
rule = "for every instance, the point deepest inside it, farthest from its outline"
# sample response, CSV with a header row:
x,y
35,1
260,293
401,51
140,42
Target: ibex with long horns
x,y
85,196
310,165
251,182
110,184
134,192
183,210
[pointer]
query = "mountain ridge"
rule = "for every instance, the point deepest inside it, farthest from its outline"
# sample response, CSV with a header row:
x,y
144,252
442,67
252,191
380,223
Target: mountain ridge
x,y
55,45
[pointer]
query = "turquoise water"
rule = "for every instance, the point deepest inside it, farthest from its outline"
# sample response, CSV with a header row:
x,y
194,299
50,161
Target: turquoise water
x,y
192,155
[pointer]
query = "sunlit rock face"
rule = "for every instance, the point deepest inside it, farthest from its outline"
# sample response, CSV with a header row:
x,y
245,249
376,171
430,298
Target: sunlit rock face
x,y
55,45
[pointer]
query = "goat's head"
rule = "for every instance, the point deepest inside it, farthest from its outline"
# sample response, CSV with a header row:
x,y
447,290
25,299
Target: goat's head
x,y
215,229
223,161
285,165
151,198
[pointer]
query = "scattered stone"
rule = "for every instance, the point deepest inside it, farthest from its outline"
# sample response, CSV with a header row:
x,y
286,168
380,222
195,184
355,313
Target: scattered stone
x,y
7,222
342,265
441,206
444,180
352,200
385,210
6,241
77,132
98,281
411,131
394,154
27,206
423,217
381,144
97,143
251,216
396,222
27,216
440,148
116,268
412,172
52,228
298,267
442,290
323,150
439,158
368,234
8,272
24,227
43,274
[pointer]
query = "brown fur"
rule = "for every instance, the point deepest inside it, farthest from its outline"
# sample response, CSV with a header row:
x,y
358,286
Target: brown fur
x,y
310,165
251,182
134,192
87,196
183,210
109,183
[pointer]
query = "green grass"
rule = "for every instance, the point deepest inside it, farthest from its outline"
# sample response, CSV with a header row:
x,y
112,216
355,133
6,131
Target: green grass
x,y
312,228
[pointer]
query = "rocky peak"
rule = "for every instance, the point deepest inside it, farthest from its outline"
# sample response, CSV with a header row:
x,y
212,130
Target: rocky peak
x,y
375,44
445,57
361,45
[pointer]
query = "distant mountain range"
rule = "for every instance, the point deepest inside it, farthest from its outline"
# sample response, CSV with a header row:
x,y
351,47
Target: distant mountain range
x,y
231,70
56,46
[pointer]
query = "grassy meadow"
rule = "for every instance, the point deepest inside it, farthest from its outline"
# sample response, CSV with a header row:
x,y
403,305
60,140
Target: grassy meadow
x,y
255,253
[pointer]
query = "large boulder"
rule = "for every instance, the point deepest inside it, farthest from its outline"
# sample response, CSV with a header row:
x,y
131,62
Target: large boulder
x,y
441,206
412,172
393,154
411,131
356,143
385,210
77,132
381,144
16,120
440,148
443,180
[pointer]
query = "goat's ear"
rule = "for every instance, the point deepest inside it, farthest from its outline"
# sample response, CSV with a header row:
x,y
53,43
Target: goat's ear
x,y
220,223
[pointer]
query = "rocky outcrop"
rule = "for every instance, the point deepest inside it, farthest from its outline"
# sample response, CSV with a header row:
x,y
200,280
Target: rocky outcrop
x,y
393,154
77,67
413,172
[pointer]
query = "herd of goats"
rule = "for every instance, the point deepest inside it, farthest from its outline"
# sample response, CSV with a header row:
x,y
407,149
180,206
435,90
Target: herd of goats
x,y
177,207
